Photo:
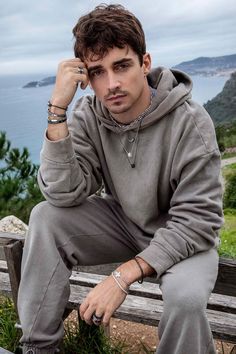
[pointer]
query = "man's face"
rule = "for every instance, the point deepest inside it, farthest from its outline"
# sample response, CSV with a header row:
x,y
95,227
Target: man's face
x,y
119,82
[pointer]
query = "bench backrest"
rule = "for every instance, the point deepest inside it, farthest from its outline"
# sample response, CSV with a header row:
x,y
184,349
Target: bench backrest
x,y
11,247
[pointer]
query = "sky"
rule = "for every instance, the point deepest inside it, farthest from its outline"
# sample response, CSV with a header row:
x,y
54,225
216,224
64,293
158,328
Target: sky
x,y
36,35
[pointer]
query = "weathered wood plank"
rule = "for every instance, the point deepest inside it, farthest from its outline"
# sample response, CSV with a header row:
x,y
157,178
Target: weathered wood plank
x,y
226,280
13,253
11,236
5,287
4,351
225,284
143,310
218,302
3,242
149,311
3,266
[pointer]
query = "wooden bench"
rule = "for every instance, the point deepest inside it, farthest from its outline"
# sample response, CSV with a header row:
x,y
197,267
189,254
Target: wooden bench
x,y
144,303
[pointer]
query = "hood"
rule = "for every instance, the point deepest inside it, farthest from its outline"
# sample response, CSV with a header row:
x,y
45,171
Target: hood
x,y
173,88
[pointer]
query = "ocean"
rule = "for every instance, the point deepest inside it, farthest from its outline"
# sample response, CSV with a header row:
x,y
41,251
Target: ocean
x,y
24,111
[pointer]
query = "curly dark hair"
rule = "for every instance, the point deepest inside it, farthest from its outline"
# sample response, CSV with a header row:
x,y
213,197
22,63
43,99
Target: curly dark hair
x,y
106,27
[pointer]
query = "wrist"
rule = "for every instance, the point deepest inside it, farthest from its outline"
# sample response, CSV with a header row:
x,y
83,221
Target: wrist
x,y
130,271
56,108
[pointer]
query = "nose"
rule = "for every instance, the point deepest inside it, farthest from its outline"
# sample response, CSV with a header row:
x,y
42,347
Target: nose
x,y
113,81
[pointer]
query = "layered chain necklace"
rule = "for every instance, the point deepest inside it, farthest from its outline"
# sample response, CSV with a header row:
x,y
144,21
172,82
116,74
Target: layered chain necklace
x,y
125,126
133,141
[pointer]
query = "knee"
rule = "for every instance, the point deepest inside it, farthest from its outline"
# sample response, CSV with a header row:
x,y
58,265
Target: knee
x,y
185,300
42,213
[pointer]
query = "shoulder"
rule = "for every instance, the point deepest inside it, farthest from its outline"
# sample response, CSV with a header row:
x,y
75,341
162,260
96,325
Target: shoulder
x,y
84,103
198,125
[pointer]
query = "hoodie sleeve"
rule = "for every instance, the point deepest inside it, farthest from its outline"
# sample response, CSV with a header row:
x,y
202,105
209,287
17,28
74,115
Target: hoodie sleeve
x,y
70,169
196,204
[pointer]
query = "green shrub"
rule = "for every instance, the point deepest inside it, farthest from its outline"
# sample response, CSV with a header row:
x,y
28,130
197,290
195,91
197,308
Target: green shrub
x,y
230,191
19,190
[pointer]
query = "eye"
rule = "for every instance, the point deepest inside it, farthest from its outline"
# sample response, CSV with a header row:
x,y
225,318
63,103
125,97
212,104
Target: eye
x,y
96,73
122,66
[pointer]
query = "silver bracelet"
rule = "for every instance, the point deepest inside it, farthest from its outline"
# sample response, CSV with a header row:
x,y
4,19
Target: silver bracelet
x,y
56,121
51,114
118,283
118,276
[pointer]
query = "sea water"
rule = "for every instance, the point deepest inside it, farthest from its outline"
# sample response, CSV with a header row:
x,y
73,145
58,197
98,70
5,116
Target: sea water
x,y
23,112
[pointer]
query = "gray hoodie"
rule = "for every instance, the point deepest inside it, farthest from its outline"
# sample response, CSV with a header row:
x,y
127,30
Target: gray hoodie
x,y
173,193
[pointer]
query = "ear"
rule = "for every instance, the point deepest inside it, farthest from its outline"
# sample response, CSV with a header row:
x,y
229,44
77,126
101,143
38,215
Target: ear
x,y
146,63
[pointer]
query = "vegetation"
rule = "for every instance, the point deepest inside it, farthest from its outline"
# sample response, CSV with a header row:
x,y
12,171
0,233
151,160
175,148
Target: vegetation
x,y
222,108
226,135
228,235
19,190
229,174
84,339
9,335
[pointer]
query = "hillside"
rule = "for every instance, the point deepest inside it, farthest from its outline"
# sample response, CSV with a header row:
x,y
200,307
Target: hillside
x,y
222,108
209,66
204,66
44,82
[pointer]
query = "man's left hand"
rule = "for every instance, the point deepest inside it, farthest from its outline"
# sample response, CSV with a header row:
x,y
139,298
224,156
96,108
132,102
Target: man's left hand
x,y
103,300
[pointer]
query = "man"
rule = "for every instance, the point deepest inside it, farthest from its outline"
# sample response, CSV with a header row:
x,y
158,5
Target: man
x,y
155,151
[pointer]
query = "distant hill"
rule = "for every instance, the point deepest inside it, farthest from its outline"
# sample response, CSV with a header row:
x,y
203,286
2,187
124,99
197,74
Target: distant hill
x,y
44,82
222,108
209,66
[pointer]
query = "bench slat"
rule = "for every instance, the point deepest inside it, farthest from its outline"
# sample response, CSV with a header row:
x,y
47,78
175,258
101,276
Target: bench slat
x,y
149,311
218,302
3,267
226,280
146,311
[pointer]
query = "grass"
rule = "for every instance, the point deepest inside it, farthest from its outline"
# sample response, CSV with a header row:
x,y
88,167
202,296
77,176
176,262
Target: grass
x,y
228,171
9,335
228,235
81,338
227,155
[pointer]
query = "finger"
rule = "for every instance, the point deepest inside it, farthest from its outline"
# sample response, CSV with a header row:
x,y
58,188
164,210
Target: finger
x,y
88,315
97,318
106,318
82,76
83,307
73,61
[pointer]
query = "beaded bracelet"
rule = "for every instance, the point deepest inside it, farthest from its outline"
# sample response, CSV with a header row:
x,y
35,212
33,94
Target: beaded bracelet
x,y
53,105
141,270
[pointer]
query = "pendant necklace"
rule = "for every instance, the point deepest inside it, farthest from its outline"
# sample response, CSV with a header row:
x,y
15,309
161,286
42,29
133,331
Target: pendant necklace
x,y
131,154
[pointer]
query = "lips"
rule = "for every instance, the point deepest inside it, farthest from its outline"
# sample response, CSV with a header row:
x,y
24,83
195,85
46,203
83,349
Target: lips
x,y
115,98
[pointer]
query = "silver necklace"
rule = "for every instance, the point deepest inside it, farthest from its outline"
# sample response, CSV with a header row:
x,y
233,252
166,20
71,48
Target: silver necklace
x,y
124,126
131,154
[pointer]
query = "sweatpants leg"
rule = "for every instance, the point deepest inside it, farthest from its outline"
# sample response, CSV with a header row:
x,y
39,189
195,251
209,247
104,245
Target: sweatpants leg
x,y
186,288
95,232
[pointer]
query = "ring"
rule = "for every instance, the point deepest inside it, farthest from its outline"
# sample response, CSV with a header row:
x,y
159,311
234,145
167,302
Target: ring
x,y
80,70
96,319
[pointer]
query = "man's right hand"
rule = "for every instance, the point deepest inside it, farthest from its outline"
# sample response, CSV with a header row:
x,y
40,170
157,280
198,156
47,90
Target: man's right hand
x,y
67,80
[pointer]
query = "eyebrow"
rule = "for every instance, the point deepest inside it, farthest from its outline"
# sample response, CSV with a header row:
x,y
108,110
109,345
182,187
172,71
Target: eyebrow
x,y
121,61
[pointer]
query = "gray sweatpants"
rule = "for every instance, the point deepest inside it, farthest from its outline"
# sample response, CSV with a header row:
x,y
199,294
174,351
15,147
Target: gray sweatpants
x,y
98,232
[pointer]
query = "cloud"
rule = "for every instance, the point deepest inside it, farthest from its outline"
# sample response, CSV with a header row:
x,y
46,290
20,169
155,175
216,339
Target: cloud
x,y
36,35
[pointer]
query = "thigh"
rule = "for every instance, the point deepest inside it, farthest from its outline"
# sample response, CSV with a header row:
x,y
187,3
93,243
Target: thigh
x,y
191,281
95,232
